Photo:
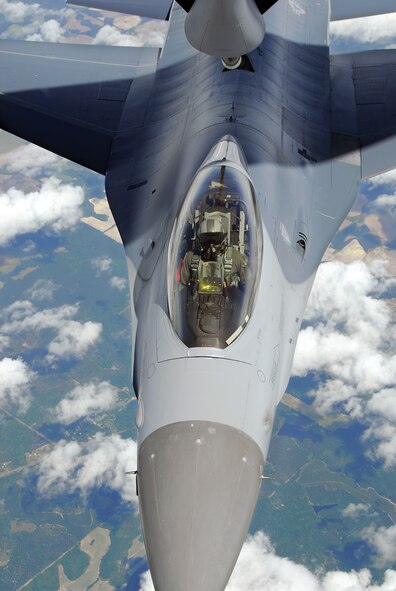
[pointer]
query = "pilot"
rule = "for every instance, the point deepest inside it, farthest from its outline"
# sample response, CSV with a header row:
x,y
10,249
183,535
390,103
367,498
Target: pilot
x,y
213,247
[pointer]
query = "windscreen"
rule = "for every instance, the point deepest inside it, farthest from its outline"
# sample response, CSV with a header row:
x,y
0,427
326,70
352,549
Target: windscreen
x,y
214,258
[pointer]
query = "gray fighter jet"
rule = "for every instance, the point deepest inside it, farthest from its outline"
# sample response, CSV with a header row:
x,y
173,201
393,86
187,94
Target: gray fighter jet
x,y
231,157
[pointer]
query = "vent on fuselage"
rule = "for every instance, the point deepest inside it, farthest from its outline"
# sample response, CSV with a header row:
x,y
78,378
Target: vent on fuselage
x,y
302,240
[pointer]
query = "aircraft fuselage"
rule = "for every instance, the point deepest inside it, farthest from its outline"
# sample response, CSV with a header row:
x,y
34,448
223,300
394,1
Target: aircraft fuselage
x,y
205,413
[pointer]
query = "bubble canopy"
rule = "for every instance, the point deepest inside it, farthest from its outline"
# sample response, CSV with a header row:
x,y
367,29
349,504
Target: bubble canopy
x,y
214,257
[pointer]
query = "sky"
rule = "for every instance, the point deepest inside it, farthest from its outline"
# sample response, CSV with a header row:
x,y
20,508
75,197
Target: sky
x,y
349,334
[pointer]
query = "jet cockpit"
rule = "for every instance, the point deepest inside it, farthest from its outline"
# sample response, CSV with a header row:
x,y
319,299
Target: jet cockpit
x,y
214,257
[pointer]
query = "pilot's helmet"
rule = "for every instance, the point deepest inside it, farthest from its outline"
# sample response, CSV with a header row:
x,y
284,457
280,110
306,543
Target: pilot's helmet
x,y
213,232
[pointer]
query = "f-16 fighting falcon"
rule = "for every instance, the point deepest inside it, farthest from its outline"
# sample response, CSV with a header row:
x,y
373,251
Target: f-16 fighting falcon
x,y
230,158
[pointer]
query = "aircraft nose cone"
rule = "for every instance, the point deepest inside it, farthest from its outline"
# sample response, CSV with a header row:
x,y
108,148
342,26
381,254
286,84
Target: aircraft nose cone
x,y
198,486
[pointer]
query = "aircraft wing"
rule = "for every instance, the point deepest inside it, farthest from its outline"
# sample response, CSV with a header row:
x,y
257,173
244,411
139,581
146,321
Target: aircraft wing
x,y
159,9
149,8
69,98
344,9
363,96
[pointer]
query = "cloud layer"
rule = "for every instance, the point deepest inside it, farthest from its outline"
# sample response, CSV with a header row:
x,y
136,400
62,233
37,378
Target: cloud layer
x,y
50,30
387,178
15,379
15,11
55,206
110,35
119,283
260,569
84,401
375,29
102,264
82,466
383,542
33,21
355,510
38,23
42,289
30,160
352,339
72,339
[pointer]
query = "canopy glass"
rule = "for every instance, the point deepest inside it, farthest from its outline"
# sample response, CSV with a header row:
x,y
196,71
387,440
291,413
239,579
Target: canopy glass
x,y
214,258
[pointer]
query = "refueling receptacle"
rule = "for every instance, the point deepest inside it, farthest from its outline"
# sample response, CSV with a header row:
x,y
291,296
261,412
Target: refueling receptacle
x,y
231,63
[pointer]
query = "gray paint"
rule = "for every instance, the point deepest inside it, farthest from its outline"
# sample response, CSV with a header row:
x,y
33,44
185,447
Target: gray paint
x,y
198,486
225,28
344,9
70,98
363,106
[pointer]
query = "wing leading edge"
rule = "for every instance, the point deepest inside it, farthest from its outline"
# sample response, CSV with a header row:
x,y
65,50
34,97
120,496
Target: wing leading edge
x,y
345,9
158,9
69,98
363,94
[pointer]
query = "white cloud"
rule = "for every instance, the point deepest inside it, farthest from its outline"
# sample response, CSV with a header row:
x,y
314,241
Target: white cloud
x,y
55,206
387,178
374,29
50,30
383,434
385,201
36,23
22,316
334,391
85,400
16,12
382,428
153,33
102,264
29,21
30,160
82,466
352,339
260,569
383,541
110,35
355,510
384,403
43,289
74,339
15,378
339,287
118,283
146,582
353,335
149,33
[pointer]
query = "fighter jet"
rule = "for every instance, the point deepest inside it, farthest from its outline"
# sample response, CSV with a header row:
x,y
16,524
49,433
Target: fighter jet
x,y
230,158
